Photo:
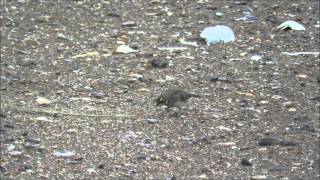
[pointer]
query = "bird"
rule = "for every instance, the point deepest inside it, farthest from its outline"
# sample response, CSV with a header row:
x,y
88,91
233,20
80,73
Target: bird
x,y
174,97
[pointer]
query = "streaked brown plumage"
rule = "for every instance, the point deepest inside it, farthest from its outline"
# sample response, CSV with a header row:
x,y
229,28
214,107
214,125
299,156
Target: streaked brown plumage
x,y
174,98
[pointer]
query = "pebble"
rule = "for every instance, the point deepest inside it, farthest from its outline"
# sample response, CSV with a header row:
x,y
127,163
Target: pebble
x,y
43,19
258,177
222,79
2,169
316,98
152,120
308,128
269,141
132,172
203,176
277,97
34,140
15,153
43,118
256,57
129,24
101,166
288,143
288,104
42,101
263,102
61,36
27,166
31,145
27,63
173,177
76,159
159,63
98,95
141,157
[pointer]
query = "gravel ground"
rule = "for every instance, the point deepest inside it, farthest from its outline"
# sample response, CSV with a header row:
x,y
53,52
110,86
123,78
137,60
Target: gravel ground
x,y
72,107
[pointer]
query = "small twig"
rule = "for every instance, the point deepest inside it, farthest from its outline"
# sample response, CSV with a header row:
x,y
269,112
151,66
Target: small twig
x,y
71,114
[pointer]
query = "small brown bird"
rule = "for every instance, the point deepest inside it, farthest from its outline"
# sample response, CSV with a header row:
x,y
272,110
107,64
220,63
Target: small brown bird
x,y
174,98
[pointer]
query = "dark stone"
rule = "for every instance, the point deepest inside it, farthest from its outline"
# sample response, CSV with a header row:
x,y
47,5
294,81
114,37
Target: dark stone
x,y
288,143
308,128
204,140
245,162
141,157
2,169
159,63
101,166
98,95
316,98
221,79
269,141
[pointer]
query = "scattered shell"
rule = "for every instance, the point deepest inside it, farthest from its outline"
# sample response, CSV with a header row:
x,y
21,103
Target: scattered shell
x,y
125,49
72,131
292,25
169,78
43,118
203,176
65,153
43,101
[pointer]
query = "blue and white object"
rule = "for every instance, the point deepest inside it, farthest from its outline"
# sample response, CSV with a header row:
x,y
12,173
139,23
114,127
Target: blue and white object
x,y
292,25
217,34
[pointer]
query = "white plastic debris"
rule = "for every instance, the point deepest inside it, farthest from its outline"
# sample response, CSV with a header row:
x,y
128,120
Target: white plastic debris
x,y
125,49
301,53
65,153
292,25
218,34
